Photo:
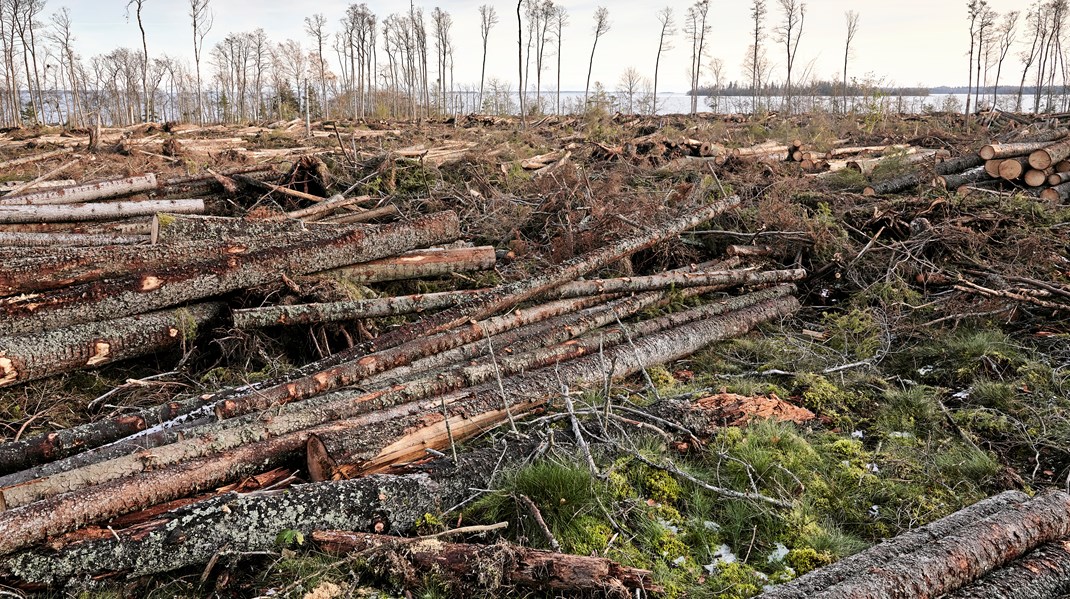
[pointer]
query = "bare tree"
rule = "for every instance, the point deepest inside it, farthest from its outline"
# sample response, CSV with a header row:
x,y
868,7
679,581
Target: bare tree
x,y
316,28
201,16
1006,34
852,18
63,37
758,12
986,19
1036,22
488,18
442,22
974,8
697,29
520,62
789,33
668,29
628,86
560,18
601,26
138,6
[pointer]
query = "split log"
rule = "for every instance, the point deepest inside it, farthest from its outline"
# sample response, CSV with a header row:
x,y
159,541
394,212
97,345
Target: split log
x,y
1035,178
1058,178
953,182
68,240
914,179
1042,574
419,264
98,211
26,525
953,561
1057,195
858,564
497,568
85,193
1048,156
149,291
196,533
1012,169
31,357
1012,150
393,306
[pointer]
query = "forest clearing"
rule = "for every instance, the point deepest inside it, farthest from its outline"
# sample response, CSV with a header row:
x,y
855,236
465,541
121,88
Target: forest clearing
x,y
610,355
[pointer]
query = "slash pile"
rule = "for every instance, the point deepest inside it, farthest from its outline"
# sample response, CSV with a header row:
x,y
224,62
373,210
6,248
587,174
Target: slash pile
x,y
128,493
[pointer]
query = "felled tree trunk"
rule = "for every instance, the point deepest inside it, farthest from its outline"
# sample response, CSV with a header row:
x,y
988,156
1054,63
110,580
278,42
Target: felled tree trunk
x,y
150,291
1042,574
958,559
500,567
50,240
84,193
30,357
420,264
858,564
99,211
914,179
194,534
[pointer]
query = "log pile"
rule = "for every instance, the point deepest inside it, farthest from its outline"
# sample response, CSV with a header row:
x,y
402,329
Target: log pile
x,y
129,494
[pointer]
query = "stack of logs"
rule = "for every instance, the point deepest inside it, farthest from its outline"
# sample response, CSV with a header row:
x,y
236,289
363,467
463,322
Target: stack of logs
x,y
133,492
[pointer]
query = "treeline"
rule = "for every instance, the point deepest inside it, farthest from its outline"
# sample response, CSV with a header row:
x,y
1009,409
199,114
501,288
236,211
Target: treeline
x,y
814,88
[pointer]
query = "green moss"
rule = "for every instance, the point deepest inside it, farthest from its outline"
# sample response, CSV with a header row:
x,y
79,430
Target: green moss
x,y
661,377
661,486
808,559
186,325
855,333
429,524
165,220
735,581
845,180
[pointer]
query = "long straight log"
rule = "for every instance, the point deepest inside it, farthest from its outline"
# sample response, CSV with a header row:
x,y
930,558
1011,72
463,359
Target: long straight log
x,y
84,193
1035,178
192,534
1048,156
97,211
382,213
914,179
1012,150
1042,574
130,226
31,357
45,240
494,568
184,228
1012,169
393,306
951,562
9,186
1057,195
420,264
26,525
856,565
836,152
150,291
953,182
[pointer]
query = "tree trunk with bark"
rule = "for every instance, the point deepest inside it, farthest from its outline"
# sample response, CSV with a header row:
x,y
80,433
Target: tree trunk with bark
x,y
420,264
84,193
856,565
99,211
1012,150
498,568
1046,157
49,240
30,357
952,182
148,291
962,557
914,179
1042,574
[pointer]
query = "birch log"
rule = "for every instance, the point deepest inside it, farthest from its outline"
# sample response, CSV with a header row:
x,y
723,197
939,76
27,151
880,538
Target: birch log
x,y
98,211
84,193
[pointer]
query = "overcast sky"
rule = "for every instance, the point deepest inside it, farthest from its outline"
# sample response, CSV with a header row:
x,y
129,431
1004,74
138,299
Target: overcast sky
x,y
900,42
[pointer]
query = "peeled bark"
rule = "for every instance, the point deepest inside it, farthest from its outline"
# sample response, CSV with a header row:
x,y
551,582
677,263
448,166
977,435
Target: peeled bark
x,y
85,193
1042,574
98,211
420,264
491,568
392,306
31,357
858,564
1046,157
26,525
194,534
953,561
150,291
